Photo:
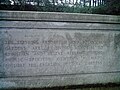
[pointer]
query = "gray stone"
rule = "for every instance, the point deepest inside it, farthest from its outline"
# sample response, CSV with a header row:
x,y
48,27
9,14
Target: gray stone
x,y
47,54
60,54
57,16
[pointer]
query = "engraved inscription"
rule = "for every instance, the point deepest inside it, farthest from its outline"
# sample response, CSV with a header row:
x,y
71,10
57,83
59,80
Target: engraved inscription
x,y
40,52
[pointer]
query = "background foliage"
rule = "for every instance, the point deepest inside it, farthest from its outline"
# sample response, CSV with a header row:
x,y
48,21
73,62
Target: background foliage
x,y
77,6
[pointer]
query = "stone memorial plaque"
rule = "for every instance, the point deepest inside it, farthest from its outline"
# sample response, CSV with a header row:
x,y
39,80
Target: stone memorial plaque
x,y
49,57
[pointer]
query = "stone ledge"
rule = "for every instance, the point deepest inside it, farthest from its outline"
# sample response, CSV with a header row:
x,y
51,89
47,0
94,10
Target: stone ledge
x,y
57,16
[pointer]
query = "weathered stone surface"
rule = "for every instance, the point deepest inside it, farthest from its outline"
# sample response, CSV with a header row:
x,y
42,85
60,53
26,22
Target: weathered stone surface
x,y
57,16
31,54
47,54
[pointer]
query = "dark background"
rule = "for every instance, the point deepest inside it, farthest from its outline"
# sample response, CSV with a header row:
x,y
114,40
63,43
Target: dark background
x,y
111,7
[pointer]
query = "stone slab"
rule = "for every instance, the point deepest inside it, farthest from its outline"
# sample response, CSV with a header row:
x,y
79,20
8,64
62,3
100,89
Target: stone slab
x,y
58,17
47,49
58,57
59,25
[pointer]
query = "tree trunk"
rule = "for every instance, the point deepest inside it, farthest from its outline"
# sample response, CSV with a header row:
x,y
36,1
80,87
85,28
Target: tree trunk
x,y
93,3
89,3
38,2
84,3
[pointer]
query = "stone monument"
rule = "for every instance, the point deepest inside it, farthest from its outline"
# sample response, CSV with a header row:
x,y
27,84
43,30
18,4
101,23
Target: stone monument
x,y
47,50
